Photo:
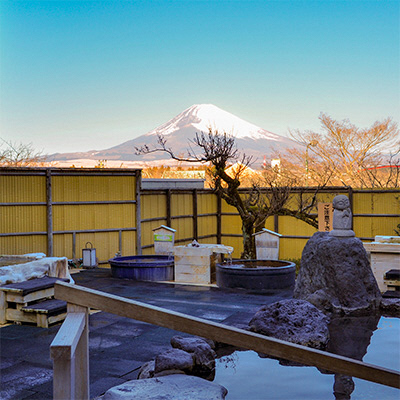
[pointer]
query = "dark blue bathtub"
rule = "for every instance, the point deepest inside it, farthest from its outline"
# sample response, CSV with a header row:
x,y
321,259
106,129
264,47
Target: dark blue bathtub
x,y
143,268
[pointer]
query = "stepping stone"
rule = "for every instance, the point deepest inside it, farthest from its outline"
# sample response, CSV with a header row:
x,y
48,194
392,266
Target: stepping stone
x,y
170,387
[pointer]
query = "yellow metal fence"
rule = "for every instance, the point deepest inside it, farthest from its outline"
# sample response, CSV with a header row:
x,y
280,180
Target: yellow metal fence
x,y
57,211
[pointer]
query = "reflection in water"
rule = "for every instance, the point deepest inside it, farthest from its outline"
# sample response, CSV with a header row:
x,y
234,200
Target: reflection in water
x,y
254,378
350,337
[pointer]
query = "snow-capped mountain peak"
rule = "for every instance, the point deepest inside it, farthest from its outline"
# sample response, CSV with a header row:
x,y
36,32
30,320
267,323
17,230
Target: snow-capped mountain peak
x,y
180,130
203,116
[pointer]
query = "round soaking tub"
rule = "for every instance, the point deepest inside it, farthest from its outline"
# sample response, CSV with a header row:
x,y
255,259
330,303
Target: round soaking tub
x,y
143,268
256,274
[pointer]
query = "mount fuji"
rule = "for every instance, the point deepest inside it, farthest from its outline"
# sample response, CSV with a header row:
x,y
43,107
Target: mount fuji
x,y
250,139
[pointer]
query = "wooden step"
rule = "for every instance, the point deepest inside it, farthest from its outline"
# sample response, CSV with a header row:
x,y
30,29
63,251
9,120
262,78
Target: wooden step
x,y
42,314
49,307
33,285
15,296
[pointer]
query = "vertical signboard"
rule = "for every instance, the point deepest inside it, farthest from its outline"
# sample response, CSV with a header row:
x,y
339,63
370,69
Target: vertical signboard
x,y
325,217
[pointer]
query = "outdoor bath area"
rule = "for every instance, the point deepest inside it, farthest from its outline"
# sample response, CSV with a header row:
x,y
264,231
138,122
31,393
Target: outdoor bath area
x,y
120,346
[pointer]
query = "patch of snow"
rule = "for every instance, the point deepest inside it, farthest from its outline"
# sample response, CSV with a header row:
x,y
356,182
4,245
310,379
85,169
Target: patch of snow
x,y
50,266
205,116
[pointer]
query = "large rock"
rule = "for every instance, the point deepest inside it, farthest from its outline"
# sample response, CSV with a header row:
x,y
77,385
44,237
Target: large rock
x,y
171,387
295,321
336,276
204,356
390,307
147,370
174,359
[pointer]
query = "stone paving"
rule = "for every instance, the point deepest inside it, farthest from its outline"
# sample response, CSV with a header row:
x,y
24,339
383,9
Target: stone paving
x,y
118,346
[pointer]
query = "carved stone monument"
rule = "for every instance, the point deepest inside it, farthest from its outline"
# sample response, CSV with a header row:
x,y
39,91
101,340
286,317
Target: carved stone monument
x,y
342,217
335,273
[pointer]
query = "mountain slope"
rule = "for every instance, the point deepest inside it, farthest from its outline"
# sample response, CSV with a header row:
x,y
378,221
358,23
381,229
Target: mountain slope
x,y
250,138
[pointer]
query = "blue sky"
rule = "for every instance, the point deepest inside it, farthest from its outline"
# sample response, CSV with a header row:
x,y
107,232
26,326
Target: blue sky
x,y
83,75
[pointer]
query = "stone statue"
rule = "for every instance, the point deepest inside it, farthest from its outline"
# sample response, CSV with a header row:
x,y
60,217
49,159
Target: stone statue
x,y
342,217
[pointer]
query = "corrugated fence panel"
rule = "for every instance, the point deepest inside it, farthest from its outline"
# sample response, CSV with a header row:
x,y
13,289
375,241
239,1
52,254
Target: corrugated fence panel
x,y
231,224
94,216
181,205
226,208
153,206
82,217
290,226
236,243
367,227
93,188
291,249
184,228
23,244
376,203
270,224
206,203
99,186
22,219
105,243
207,226
22,189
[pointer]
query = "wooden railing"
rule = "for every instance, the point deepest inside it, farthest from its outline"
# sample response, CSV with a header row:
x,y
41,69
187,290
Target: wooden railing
x,y
69,349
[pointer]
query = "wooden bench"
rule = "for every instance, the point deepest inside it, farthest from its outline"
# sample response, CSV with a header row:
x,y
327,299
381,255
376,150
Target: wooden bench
x,y
29,301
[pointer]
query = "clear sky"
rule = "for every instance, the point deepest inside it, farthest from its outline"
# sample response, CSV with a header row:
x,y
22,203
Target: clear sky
x,y
84,75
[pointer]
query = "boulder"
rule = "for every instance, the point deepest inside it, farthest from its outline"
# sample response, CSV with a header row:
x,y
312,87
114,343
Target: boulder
x,y
390,307
190,343
295,321
174,359
336,276
171,387
147,370
203,355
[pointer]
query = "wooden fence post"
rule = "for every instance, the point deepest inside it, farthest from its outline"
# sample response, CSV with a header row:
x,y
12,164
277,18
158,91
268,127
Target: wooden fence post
x,y
168,206
138,213
49,213
219,219
195,216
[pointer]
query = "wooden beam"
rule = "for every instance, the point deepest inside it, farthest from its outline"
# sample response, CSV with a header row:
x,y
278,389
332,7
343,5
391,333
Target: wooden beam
x,y
222,333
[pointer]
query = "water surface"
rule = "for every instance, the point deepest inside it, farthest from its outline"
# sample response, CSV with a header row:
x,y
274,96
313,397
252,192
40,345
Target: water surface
x,y
247,376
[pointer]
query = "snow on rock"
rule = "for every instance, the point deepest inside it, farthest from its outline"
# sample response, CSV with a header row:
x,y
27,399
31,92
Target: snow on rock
x,y
51,266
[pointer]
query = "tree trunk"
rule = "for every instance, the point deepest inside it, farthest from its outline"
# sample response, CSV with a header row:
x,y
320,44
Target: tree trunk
x,y
249,246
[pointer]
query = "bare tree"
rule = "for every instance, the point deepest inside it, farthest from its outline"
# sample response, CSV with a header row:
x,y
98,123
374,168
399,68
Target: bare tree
x,y
350,155
19,154
268,196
